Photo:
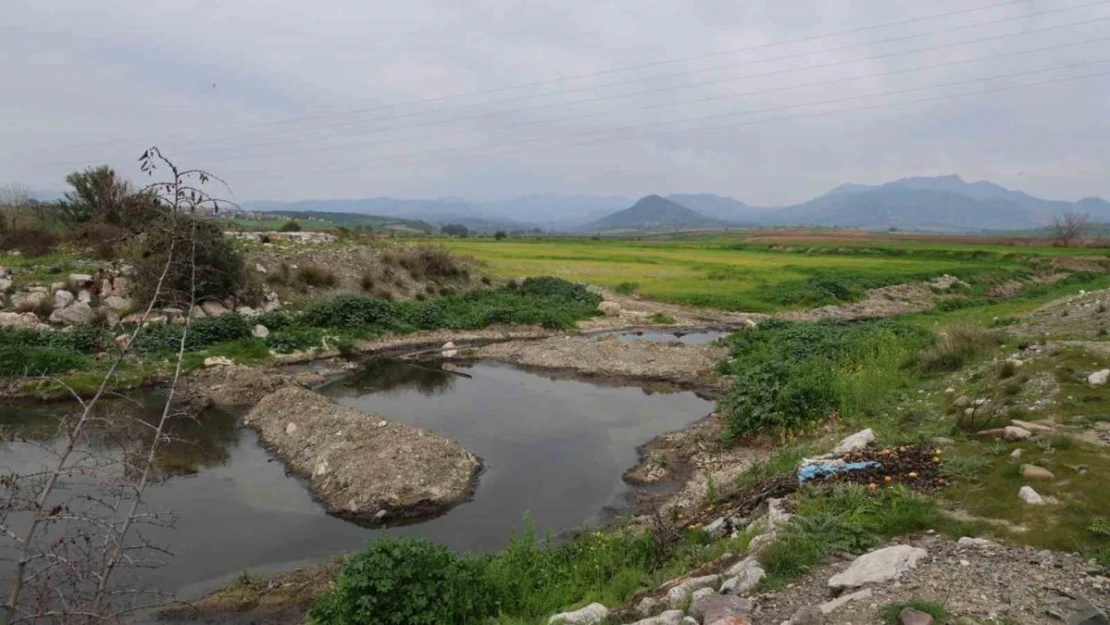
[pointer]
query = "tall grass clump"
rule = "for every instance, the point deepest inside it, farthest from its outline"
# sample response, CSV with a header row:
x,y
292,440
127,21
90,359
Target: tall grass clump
x,y
957,346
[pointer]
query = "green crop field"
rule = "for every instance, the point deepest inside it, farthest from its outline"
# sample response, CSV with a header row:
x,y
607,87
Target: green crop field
x,y
728,273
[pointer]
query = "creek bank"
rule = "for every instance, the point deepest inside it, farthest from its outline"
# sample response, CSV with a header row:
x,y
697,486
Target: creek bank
x,y
363,467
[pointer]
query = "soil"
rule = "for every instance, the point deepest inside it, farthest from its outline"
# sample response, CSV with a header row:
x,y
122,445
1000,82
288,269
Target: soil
x,y
1082,316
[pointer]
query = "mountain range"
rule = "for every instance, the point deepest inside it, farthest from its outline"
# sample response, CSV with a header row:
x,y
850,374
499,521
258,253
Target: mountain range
x,y
939,204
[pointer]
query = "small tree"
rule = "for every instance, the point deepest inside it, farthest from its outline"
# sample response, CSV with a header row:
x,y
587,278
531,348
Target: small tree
x,y
1068,227
455,230
13,198
500,234
100,196
291,226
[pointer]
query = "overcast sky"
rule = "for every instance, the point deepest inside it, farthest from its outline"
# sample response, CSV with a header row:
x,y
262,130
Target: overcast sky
x,y
486,99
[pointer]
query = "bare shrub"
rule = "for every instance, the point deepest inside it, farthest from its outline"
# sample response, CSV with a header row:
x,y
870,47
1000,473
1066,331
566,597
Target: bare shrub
x,y
1069,227
315,276
29,241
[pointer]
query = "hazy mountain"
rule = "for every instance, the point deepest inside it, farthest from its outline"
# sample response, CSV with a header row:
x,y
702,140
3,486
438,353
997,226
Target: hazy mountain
x,y
719,207
654,213
439,211
555,210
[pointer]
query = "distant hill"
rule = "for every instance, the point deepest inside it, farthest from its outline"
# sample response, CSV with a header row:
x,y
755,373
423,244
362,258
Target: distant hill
x,y
719,207
437,211
654,213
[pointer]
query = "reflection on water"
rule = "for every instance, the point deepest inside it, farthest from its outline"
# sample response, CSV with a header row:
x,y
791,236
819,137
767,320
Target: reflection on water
x,y
661,336
553,449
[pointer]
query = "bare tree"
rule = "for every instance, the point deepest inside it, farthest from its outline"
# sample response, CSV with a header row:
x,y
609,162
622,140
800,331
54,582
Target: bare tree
x,y
68,540
13,198
1069,227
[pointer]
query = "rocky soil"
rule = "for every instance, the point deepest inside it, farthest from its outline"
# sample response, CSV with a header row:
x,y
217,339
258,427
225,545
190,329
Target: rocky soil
x,y
361,466
1082,316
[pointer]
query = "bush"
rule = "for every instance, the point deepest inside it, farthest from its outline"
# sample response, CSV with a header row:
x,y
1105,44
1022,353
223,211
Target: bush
x,y
404,581
660,318
626,288
367,282
315,276
290,226
955,347
351,311
500,235
32,361
203,332
220,269
29,241
77,339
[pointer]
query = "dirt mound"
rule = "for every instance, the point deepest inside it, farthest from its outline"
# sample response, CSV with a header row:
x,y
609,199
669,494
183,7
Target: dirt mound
x,y
361,466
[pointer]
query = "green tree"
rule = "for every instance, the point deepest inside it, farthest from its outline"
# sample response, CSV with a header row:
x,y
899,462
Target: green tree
x,y
100,196
500,234
291,226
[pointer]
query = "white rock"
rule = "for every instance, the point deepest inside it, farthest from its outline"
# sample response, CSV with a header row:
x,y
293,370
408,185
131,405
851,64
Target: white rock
x,y
30,300
777,516
214,309
609,308
713,608
878,566
196,312
743,577
679,594
1015,454
115,286
76,314
670,617
5,284
63,299
247,311
26,320
855,442
589,615
648,605
1014,433
84,295
701,593
290,427
449,350
116,304
259,268
260,331
1030,496
977,543
1098,378
832,606
718,528
218,361
80,281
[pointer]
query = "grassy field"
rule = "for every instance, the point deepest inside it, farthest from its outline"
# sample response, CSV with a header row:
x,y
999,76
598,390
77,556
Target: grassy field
x,y
723,271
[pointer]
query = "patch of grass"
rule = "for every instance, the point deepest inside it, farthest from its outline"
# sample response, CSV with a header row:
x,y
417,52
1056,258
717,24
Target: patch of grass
x,y
891,611
660,318
956,347
367,282
626,288
315,276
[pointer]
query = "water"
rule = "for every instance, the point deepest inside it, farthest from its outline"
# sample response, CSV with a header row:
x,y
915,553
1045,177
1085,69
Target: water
x,y
553,449
700,337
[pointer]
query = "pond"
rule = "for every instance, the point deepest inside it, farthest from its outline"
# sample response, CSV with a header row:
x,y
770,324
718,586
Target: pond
x,y
697,337
553,450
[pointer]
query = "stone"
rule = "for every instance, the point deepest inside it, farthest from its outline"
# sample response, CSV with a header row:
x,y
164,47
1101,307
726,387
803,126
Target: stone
x,y
1016,363
1015,454
809,615
689,620
1032,427
26,320
878,566
743,577
449,350
29,301
84,295
609,309
196,312
115,286
78,281
76,314
829,607
1076,611
963,401
218,361
214,309
259,268
1030,496
943,441
977,543
589,615
777,516
855,442
1098,378
63,299
911,616
260,331
714,607
649,606
5,284
116,304
153,318
57,286
729,620
247,311
701,593
718,528
679,594
271,306
670,617
759,543
1013,433
1033,472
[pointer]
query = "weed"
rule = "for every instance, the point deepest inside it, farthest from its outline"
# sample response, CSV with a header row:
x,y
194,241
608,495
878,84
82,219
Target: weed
x,y
660,318
626,287
965,468
315,276
712,495
367,282
1007,370
955,347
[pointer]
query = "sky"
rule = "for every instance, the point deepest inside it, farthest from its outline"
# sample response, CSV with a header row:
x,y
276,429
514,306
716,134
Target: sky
x,y
769,101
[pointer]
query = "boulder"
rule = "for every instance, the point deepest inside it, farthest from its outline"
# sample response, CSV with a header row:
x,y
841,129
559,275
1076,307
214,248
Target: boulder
x,y
728,620
260,331
369,465
878,566
449,350
196,313
1030,496
1033,472
116,305
214,309
84,295
670,617
218,361
718,528
832,606
809,615
609,308
78,281
76,314
963,401
28,301
23,320
589,615
742,577
5,284
679,594
63,299
118,286
1098,378
911,616
855,442
649,606
247,311
1077,611
714,607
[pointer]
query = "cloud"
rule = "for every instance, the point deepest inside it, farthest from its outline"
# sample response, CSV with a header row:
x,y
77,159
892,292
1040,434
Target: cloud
x,y
293,100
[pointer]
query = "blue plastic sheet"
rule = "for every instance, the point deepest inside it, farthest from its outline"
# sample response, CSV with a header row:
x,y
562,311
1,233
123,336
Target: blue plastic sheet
x,y
813,471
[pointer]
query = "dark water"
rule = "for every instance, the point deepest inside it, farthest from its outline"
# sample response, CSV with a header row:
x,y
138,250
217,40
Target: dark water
x,y
554,449
662,336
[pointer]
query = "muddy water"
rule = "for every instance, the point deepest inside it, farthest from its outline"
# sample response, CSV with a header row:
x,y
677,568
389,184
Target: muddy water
x,y
553,450
700,337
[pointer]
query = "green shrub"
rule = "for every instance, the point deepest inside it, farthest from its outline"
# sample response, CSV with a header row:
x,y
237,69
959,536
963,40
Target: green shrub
x,y
626,288
33,361
203,332
404,581
315,276
293,339
76,339
660,318
274,320
351,311
220,269
291,226
955,347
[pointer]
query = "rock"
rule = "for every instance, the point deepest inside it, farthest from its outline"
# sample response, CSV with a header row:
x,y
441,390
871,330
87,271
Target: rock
x,y
154,318
30,301
1015,454
759,543
963,401
1098,378
978,543
809,615
729,620
878,566
609,308
117,286
1033,472
589,615
76,314
689,620
78,281
25,320
670,617
777,516
271,306
259,268
449,350
943,441
855,442
122,341
196,312
84,295
701,593
679,594
1030,496
649,606
57,286
832,606
911,616
1016,363
1076,611
408,472
714,607
218,361
260,331
1013,433
63,299
247,311
742,577
115,304
214,309
718,528
1032,427
5,284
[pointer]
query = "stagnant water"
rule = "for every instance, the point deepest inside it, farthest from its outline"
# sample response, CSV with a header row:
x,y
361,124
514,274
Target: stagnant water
x,y
553,449
697,337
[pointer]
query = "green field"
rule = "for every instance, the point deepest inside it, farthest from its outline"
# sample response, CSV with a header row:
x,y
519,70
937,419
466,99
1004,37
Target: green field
x,y
722,273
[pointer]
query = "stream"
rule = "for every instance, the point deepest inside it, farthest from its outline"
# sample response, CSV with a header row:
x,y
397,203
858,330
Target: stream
x,y
553,451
